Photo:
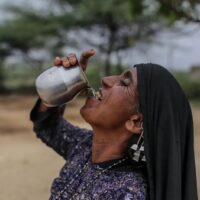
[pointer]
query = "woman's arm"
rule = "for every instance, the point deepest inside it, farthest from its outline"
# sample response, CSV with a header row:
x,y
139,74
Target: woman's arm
x,y
50,126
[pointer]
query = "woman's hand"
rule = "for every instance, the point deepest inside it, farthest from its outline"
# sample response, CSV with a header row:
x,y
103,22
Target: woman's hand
x,y
71,60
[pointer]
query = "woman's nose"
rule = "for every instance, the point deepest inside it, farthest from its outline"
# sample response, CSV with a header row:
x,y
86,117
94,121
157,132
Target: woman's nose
x,y
109,81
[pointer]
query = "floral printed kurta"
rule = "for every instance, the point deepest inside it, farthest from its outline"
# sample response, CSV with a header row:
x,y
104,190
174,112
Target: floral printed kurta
x,y
74,144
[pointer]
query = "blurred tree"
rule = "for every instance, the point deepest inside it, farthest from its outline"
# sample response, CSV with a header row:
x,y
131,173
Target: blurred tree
x,y
111,26
27,32
180,9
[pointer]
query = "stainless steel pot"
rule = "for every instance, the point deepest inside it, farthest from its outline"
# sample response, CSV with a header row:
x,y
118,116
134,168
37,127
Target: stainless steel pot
x,y
59,85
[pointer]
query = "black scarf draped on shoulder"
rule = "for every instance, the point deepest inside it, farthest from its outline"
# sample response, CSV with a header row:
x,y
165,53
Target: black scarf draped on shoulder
x,y
168,135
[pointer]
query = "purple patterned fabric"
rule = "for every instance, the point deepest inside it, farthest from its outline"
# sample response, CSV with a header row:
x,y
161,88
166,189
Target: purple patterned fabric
x,y
74,144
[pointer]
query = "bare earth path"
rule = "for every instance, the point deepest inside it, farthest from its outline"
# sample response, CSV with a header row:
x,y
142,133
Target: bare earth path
x,y
27,166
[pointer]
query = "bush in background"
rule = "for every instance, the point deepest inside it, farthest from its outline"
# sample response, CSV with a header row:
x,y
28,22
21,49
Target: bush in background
x,y
191,87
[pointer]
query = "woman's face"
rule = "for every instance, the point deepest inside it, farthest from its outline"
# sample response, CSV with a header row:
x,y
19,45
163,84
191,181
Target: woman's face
x,y
118,101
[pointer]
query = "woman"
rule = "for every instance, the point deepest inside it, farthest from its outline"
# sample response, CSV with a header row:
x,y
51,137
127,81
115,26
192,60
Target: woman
x,y
141,143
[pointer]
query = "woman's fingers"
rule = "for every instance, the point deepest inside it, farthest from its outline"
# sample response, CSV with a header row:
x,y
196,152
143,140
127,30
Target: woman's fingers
x,y
85,57
72,59
65,62
57,61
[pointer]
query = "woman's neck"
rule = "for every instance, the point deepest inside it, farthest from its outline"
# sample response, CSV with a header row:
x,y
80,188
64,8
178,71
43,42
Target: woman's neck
x,y
109,145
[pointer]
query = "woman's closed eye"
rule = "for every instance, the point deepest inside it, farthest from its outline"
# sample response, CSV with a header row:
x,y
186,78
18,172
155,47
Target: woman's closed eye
x,y
125,82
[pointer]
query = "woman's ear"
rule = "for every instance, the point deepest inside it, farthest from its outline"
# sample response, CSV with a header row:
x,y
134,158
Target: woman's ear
x,y
134,124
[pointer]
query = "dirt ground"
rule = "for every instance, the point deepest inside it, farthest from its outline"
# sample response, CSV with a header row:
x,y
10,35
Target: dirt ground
x,y
27,166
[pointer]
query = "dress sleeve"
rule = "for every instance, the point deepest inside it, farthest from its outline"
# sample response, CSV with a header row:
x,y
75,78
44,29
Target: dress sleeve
x,y
65,138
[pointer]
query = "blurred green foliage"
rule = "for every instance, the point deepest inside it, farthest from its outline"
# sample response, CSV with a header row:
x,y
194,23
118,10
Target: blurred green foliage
x,y
173,10
94,76
190,86
18,79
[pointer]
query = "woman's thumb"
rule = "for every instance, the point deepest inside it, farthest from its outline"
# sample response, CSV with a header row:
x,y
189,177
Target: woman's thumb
x,y
85,57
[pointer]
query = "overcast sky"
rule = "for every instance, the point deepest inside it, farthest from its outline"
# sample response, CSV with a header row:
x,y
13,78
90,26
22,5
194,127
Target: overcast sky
x,y
179,51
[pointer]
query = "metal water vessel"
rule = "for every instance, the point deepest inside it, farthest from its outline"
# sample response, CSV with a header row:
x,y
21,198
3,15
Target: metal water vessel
x,y
60,85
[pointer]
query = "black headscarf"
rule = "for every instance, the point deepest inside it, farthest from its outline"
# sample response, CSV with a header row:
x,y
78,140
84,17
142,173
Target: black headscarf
x,y
168,135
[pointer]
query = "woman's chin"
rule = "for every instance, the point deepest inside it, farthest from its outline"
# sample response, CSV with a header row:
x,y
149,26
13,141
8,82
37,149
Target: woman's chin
x,y
90,103
86,110
90,109
86,114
